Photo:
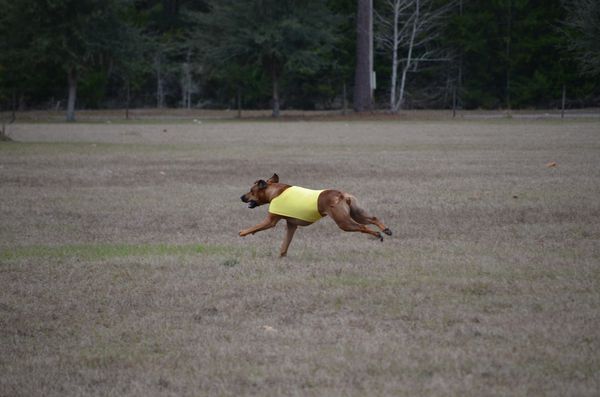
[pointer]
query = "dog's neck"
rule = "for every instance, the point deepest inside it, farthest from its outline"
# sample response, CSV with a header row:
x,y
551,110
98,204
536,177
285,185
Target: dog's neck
x,y
274,190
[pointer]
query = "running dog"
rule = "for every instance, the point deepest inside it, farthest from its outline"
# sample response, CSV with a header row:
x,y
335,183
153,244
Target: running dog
x,y
302,207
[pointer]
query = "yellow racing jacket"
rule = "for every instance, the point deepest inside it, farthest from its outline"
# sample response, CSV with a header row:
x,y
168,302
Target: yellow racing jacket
x,y
297,202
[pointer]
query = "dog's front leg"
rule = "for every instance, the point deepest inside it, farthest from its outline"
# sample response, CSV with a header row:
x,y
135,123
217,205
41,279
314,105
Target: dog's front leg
x,y
269,222
289,234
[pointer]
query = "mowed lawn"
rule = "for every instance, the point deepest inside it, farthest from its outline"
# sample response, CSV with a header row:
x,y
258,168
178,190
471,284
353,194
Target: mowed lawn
x,y
122,273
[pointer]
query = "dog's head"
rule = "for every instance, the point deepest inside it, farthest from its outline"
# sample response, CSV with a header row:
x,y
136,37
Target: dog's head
x,y
258,192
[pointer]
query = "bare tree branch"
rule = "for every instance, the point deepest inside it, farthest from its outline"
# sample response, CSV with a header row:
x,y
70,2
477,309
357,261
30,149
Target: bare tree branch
x,y
409,26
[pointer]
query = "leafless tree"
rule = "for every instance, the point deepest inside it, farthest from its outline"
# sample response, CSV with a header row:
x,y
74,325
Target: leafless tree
x,y
188,87
364,57
160,82
408,27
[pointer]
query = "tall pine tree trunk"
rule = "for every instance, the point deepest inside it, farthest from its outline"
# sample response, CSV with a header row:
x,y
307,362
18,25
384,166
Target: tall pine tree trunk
x,y
160,90
128,99
186,82
275,78
239,101
394,81
13,106
564,99
72,81
508,61
362,76
276,111
344,99
457,91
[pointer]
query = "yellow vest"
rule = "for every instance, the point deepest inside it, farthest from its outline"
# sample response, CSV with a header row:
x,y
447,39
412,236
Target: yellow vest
x,y
297,202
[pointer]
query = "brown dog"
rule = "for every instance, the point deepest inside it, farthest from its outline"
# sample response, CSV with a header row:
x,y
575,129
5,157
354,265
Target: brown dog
x,y
342,208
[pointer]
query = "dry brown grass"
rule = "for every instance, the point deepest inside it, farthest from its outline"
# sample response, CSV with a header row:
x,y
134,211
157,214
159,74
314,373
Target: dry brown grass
x,y
121,272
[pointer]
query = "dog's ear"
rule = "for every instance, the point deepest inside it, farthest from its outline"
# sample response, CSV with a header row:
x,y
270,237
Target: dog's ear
x,y
261,184
273,179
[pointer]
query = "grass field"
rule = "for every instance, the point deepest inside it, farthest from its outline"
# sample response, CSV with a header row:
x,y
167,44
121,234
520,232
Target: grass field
x,y
121,271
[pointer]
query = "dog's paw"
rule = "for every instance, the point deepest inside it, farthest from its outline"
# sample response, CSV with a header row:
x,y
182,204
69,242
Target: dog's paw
x,y
242,234
387,231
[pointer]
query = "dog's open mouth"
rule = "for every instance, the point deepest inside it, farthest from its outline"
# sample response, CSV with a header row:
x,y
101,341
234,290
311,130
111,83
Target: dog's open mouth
x,y
252,204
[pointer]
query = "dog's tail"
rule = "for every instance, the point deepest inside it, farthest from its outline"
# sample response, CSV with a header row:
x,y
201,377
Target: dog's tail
x,y
350,200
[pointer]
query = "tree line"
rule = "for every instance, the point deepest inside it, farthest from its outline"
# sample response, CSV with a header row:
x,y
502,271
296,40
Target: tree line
x,y
492,54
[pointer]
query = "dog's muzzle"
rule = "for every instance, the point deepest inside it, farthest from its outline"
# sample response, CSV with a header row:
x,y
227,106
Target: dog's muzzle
x,y
251,203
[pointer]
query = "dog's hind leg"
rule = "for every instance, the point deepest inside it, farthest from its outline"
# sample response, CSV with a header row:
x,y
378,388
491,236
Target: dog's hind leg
x,y
361,216
340,213
289,234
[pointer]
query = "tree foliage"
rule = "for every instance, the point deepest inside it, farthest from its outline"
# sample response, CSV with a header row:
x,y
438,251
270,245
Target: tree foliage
x,y
289,53
582,27
75,37
280,37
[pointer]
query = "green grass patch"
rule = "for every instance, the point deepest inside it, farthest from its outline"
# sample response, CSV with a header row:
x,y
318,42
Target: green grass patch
x,y
92,148
230,262
95,252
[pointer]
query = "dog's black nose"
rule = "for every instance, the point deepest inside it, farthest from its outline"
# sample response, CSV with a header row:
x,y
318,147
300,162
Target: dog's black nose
x,y
243,198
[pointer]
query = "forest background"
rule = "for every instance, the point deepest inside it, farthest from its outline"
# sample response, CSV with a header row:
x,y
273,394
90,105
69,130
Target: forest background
x,y
256,54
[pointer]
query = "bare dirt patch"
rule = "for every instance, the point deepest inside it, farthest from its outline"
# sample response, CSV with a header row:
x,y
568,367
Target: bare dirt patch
x,y
121,271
